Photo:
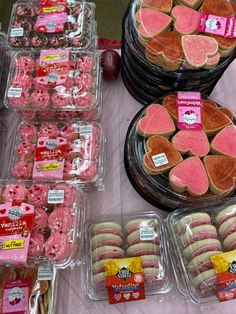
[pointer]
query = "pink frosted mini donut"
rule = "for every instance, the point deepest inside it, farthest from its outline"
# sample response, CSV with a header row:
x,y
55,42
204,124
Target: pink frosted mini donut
x,y
69,193
22,80
67,172
49,129
40,219
22,170
84,81
69,132
14,193
87,171
36,244
38,194
28,132
85,64
58,247
25,150
25,64
28,115
61,98
20,102
61,220
40,99
82,99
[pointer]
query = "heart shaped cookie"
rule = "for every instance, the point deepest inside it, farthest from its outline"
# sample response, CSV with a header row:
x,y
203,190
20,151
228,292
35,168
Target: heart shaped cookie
x,y
156,121
221,172
225,44
160,156
225,142
191,142
212,61
186,19
219,7
198,48
169,102
166,50
213,118
190,3
189,175
151,22
161,5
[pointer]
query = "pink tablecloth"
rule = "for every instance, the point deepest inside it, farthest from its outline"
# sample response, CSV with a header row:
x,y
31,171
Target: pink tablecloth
x,y
120,197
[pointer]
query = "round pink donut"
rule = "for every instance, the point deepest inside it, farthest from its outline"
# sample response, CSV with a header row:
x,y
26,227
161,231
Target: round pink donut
x,y
28,132
14,193
22,169
38,194
58,247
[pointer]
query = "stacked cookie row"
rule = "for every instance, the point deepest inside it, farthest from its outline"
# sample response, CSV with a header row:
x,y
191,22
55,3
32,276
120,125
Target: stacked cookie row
x,y
110,241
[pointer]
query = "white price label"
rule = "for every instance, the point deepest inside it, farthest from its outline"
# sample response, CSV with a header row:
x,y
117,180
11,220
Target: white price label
x,y
147,233
14,92
86,130
17,32
56,196
79,144
44,272
160,160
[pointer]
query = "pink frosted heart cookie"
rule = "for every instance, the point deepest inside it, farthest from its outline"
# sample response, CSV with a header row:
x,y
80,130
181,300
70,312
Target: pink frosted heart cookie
x,y
156,121
189,175
160,5
198,48
224,142
191,142
212,61
186,19
151,22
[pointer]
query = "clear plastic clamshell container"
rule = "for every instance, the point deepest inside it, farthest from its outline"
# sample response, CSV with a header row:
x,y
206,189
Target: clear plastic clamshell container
x,y
118,237
40,25
39,286
59,151
3,131
194,237
184,35
172,167
76,92
48,221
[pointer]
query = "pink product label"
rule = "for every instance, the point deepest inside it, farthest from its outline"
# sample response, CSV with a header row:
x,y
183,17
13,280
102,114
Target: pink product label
x,y
217,25
16,296
51,23
48,170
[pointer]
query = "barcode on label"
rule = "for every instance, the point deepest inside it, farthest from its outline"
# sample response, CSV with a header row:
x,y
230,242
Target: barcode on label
x,y
44,272
56,197
147,233
14,92
17,32
160,160
86,130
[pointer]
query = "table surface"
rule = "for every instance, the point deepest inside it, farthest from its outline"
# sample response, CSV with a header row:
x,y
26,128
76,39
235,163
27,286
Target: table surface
x,y
119,197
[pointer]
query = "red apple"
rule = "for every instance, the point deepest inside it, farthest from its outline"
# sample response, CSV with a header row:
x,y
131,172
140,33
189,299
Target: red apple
x,y
110,64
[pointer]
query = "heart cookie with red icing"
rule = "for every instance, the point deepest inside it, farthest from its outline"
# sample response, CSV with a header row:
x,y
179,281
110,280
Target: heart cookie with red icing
x,y
194,4
218,7
186,19
161,5
221,172
225,142
198,48
169,102
191,142
151,22
160,156
156,121
189,175
213,118
158,50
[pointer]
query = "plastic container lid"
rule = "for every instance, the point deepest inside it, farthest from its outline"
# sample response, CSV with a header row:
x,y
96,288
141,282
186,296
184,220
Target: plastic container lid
x,y
59,150
173,39
33,84
62,26
51,218
195,236
172,167
129,243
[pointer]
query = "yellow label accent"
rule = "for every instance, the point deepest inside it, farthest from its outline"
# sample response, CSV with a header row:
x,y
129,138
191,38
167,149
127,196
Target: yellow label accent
x,y
14,244
49,9
54,166
222,261
54,57
134,264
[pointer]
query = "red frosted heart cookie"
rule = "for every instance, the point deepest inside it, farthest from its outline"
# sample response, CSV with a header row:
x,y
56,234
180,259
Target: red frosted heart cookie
x,y
198,48
225,142
166,50
151,22
160,155
186,19
221,172
190,3
191,142
161,5
189,175
213,118
218,7
156,121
